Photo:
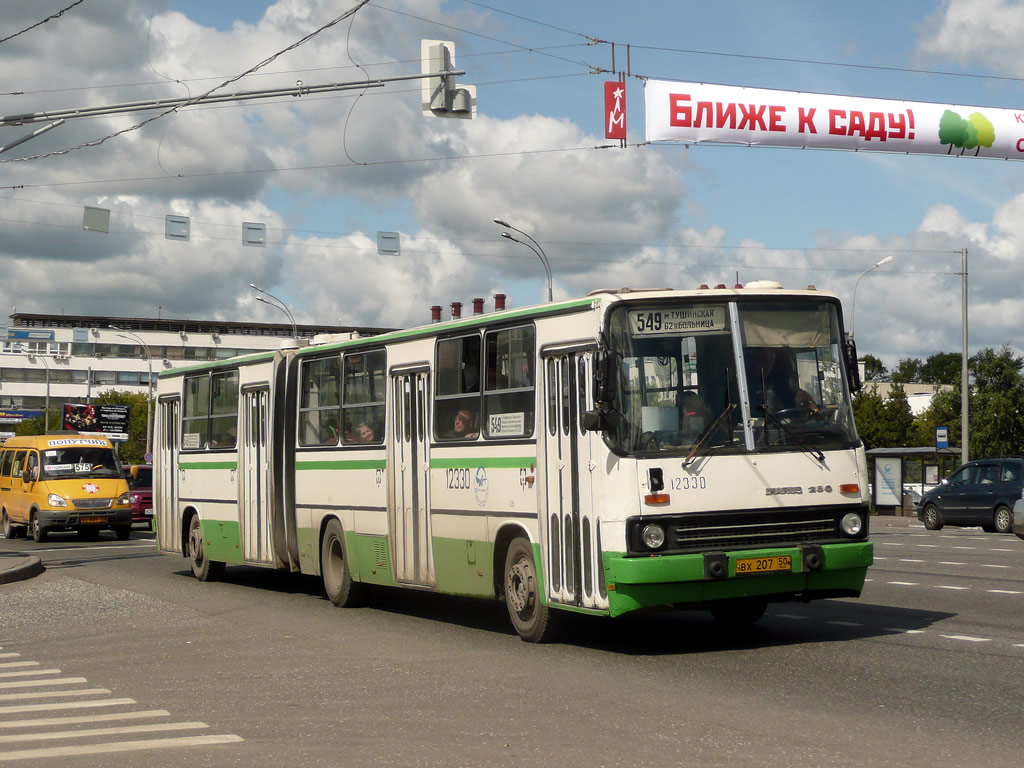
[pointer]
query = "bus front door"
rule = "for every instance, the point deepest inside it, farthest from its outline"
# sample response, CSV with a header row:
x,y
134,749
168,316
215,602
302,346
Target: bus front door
x,y
254,477
571,534
409,469
165,491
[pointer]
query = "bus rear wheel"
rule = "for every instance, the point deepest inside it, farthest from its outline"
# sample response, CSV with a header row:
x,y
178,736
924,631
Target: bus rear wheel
x,y
202,568
533,621
339,585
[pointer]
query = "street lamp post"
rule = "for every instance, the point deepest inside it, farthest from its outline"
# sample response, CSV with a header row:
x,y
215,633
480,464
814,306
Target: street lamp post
x,y
279,305
533,245
853,303
124,333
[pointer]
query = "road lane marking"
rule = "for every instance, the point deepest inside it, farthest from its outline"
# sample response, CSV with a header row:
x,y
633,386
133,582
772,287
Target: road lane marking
x,y
55,681
902,631
908,560
12,664
970,548
891,543
986,565
904,583
967,638
946,586
116,731
96,718
53,694
66,705
9,655
936,546
844,623
121,746
789,616
1003,550
946,562
1005,591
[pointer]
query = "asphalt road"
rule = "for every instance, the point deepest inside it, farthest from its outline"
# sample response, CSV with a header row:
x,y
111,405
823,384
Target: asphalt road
x,y
116,656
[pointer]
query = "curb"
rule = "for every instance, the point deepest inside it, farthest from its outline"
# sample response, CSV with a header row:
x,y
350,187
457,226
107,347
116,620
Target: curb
x,y
24,568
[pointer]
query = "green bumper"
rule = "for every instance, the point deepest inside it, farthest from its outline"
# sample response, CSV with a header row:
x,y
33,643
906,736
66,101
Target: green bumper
x,y
682,580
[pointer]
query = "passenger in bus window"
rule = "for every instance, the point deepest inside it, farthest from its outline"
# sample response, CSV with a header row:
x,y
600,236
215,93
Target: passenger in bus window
x,y
364,433
463,427
329,435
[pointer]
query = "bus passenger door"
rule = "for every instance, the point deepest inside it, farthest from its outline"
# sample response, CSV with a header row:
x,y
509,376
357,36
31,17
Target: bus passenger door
x,y
409,468
254,477
571,538
165,491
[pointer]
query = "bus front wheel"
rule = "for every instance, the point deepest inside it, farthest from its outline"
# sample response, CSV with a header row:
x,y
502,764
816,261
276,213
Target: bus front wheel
x,y
534,622
202,568
339,585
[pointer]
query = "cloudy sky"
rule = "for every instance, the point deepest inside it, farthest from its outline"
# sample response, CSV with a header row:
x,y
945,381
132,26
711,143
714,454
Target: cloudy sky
x,y
327,172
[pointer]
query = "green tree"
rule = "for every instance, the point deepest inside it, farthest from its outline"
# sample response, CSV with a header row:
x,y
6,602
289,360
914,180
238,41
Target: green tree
x,y
997,403
883,422
907,370
941,368
874,369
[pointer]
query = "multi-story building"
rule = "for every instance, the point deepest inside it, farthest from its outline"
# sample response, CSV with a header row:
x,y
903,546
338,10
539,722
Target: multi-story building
x,y
72,358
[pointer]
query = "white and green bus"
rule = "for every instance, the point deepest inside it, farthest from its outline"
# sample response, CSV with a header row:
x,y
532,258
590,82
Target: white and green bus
x,y
626,450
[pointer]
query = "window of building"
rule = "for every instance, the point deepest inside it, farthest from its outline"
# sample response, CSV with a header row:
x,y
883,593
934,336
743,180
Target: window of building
x,y
363,404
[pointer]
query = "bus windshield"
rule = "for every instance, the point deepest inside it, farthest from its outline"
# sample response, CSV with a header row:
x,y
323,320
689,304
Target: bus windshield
x,y
80,461
681,383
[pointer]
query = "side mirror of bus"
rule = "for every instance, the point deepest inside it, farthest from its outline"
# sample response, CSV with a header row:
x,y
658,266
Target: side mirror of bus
x,y
595,420
852,366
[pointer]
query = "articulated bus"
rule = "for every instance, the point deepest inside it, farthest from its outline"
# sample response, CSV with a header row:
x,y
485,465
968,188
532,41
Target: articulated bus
x,y
626,450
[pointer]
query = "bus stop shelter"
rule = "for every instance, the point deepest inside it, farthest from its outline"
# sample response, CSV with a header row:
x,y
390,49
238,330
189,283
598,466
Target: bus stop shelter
x,y
899,476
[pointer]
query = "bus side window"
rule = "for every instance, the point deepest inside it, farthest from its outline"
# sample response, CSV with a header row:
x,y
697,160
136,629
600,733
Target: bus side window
x,y
457,376
319,401
195,421
5,463
364,387
509,399
224,409
18,463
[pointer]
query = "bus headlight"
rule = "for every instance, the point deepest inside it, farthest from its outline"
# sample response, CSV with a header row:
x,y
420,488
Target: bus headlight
x,y
55,500
123,500
851,523
653,536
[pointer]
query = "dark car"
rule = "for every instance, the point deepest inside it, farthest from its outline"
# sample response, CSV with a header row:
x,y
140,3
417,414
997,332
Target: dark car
x,y
980,492
140,487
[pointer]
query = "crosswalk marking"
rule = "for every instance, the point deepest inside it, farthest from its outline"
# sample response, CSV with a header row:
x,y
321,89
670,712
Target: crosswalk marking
x,y
120,746
52,694
20,738
30,672
116,731
52,681
66,705
96,718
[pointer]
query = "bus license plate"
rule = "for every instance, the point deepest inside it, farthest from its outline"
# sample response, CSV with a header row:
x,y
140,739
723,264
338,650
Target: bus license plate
x,y
92,519
772,564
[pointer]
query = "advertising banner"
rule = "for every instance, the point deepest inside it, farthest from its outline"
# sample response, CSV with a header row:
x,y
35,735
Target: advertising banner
x,y
108,420
724,114
16,416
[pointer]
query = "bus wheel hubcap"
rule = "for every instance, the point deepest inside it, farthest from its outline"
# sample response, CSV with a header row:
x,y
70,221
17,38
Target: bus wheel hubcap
x,y
520,582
